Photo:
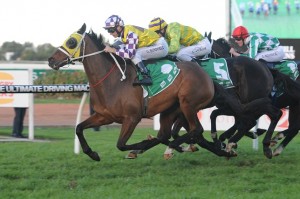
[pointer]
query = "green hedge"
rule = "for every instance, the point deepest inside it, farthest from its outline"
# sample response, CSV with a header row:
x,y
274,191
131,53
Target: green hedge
x,y
61,77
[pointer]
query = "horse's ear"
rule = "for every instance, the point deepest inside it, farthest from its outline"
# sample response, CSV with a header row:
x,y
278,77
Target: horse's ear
x,y
205,34
209,35
82,29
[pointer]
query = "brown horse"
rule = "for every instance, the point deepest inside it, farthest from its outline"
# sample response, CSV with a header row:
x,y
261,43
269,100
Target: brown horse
x,y
116,100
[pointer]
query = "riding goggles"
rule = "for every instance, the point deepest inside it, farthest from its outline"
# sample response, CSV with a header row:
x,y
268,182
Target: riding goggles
x,y
238,38
111,30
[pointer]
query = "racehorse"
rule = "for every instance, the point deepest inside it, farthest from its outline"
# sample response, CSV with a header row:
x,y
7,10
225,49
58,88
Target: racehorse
x,y
289,98
116,100
253,83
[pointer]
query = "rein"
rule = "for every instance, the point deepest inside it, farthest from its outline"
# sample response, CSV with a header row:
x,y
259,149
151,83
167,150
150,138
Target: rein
x,y
103,78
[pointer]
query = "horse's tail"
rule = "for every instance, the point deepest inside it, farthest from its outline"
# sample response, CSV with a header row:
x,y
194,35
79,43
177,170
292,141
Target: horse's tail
x,y
286,84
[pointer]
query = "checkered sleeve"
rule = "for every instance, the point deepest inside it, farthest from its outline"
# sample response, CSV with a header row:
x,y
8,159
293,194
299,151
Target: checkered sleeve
x,y
129,49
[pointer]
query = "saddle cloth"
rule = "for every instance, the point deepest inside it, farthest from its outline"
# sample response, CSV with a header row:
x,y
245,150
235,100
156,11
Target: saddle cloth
x,y
163,73
287,67
217,69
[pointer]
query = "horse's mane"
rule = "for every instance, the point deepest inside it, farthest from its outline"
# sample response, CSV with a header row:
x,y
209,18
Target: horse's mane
x,y
100,42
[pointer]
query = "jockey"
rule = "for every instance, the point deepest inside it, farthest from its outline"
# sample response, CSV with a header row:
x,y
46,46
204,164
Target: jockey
x,y
260,45
185,42
138,44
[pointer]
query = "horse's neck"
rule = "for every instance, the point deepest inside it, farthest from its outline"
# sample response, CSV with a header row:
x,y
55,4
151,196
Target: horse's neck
x,y
105,76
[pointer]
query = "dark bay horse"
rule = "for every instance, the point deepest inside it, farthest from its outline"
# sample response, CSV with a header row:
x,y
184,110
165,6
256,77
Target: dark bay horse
x,y
118,101
253,84
289,98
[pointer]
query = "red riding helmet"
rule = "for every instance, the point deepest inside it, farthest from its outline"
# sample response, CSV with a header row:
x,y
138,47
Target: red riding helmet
x,y
240,32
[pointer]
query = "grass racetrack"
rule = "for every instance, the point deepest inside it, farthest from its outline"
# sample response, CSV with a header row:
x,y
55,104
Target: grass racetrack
x,y
51,170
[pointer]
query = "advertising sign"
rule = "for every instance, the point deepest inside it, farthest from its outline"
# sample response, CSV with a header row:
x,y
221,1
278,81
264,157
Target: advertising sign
x,y
14,77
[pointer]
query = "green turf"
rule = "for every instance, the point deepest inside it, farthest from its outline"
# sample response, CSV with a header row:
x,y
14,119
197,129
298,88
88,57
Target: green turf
x,y
51,170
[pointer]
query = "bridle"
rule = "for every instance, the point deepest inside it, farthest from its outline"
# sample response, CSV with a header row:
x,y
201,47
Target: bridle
x,y
81,45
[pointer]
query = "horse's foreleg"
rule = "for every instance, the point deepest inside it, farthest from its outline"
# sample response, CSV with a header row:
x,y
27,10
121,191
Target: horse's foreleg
x,y
95,120
85,147
213,118
139,147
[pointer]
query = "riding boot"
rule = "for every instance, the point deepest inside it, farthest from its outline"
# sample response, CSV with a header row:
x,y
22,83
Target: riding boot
x,y
147,81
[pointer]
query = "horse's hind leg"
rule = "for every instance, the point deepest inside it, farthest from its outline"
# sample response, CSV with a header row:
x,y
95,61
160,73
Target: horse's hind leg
x,y
292,131
178,124
163,136
274,116
200,140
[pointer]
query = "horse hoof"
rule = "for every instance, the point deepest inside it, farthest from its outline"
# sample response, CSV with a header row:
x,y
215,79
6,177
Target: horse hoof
x,y
234,154
278,151
268,153
194,148
94,155
168,156
231,155
131,156
230,146
189,148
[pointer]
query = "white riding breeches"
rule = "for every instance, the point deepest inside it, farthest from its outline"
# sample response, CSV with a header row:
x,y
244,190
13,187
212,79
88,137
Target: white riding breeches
x,y
158,50
187,53
275,55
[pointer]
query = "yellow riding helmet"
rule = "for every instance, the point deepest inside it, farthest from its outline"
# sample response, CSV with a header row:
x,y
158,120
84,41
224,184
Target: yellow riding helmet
x,y
157,24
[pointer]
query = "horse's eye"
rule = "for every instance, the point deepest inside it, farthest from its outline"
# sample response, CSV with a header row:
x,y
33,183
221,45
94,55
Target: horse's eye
x,y
71,43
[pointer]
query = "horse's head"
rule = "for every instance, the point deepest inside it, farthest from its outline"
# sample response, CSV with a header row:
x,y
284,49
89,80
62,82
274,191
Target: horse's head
x,y
70,50
220,48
